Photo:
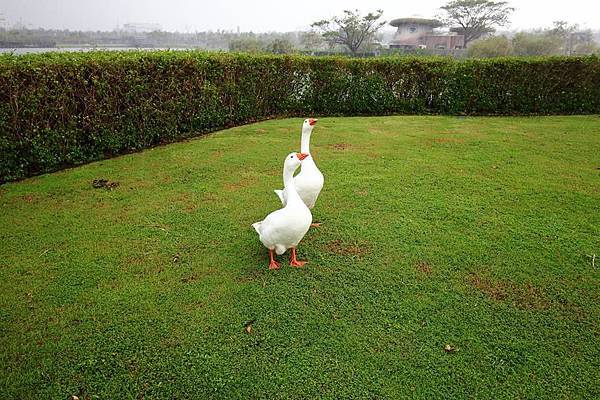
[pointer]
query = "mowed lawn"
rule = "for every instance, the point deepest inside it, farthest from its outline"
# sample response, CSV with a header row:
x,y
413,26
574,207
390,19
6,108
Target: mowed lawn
x,y
455,260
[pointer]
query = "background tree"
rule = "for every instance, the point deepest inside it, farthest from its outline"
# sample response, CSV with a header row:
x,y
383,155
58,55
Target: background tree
x,y
575,41
583,43
475,18
311,40
494,46
562,28
351,30
564,31
280,46
247,44
537,44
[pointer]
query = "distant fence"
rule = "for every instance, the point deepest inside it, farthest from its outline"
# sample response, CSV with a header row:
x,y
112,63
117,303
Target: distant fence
x,y
64,109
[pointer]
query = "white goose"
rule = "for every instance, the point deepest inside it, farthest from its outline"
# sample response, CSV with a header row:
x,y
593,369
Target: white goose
x,y
283,229
309,181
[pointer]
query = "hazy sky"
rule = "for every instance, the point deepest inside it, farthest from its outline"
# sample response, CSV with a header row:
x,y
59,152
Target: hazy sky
x,y
260,15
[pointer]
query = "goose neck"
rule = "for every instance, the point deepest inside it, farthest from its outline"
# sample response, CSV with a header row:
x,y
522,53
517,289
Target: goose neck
x,y
305,142
290,187
288,179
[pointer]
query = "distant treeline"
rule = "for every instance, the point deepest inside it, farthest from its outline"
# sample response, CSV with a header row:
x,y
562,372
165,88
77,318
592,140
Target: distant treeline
x,y
218,40
560,40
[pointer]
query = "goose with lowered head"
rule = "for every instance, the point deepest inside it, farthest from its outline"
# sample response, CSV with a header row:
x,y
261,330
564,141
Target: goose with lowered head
x,y
284,229
309,181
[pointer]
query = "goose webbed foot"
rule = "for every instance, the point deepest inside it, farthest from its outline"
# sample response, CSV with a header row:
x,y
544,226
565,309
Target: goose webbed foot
x,y
273,264
294,262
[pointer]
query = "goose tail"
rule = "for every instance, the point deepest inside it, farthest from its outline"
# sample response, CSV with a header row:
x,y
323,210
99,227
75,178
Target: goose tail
x,y
256,226
279,194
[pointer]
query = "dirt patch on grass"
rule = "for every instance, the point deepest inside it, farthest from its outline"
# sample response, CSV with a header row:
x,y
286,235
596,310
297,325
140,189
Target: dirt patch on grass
x,y
196,275
166,179
572,311
423,267
340,146
241,184
523,296
185,202
493,289
189,278
354,250
210,197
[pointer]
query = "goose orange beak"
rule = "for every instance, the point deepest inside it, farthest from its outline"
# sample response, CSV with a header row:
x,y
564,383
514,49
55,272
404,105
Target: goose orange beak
x,y
312,121
301,156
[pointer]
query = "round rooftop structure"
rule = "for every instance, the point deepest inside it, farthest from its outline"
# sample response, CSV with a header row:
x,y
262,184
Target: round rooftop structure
x,y
416,32
433,23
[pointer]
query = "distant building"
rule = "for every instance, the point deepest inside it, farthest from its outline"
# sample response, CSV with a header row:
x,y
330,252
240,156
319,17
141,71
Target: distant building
x,y
139,34
418,33
141,27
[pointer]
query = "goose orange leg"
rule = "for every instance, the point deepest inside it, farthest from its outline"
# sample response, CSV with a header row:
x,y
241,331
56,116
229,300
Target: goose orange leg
x,y
315,224
273,264
294,262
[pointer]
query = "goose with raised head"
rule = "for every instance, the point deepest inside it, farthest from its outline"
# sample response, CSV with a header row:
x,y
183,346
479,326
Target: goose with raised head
x,y
309,181
284,229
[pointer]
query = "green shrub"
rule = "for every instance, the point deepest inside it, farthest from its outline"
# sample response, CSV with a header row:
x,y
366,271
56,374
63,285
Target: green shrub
x,y
493,46
63,109
537,44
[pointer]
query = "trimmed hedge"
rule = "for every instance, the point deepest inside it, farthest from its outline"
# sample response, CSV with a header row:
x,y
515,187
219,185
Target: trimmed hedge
x,y
62,109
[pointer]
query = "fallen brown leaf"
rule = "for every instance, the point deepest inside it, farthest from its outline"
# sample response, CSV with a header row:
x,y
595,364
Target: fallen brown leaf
x,y
248,326
104,183
449,349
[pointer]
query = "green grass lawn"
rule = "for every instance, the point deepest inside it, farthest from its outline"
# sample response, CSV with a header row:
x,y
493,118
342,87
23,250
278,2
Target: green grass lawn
x,y
475,233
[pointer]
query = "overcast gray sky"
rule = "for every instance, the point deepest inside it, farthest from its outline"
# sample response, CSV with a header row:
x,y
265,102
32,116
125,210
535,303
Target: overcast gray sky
x,y
260,15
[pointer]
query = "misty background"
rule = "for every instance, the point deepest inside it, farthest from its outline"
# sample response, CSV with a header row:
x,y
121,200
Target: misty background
x,y
260,15
263,25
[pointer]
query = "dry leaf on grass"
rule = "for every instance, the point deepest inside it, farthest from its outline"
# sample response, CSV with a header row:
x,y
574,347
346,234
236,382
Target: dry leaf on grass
x,y
449,349
104,183
248,326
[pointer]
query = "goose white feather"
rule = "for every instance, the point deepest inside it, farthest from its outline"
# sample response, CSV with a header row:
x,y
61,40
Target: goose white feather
x,y
309,181
284,229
